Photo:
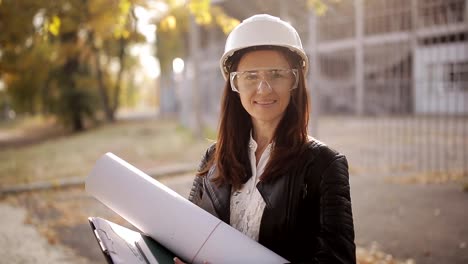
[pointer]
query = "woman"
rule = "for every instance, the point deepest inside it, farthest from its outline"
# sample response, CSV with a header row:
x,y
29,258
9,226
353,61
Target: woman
x,y
265,176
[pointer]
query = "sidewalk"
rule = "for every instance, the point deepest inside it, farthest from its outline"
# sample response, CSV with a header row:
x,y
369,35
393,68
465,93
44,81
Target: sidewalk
x,y
21,243
425,222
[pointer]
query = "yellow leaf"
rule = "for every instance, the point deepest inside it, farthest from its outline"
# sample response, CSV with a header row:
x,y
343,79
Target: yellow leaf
x,y
124,6
203,19
121,34
199,6
54,26
201,9
318,6
125,34
120,30
226,23
169,23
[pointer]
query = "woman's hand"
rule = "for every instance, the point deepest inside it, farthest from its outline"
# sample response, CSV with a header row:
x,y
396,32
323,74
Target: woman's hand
x,y
178,261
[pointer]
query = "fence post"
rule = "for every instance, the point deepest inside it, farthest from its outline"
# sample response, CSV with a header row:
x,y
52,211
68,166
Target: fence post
x,y
314,76
359,55
195,65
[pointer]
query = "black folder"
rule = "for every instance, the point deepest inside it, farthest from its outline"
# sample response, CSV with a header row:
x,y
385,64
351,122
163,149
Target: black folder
x,y
123,245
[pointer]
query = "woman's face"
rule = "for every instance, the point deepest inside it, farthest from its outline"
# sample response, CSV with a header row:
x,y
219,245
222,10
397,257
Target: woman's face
x,y
265,94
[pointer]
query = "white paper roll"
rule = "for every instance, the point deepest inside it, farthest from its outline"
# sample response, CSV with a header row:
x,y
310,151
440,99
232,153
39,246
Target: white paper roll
x,y
187,230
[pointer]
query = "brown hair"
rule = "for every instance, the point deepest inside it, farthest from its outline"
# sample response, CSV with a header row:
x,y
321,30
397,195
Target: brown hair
x,y
231,151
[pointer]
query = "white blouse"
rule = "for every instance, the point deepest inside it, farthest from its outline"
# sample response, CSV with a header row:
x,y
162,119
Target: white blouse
x,y
247,204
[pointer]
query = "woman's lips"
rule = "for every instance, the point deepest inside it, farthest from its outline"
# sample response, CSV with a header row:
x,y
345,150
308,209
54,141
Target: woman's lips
x,y
265,103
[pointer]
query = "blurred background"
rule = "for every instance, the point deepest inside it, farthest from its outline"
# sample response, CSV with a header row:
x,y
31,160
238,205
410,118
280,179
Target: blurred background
x,y
140,78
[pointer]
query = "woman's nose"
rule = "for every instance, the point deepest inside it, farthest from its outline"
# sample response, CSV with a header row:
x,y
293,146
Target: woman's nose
x,y
264,87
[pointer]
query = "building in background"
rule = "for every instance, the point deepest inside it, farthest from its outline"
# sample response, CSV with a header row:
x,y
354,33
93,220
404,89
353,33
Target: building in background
x,y
394,57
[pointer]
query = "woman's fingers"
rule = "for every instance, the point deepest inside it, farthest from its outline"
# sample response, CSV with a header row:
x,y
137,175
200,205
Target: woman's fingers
x,y
178,261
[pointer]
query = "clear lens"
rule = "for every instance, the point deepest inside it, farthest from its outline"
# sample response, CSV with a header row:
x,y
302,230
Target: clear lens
x,y
278,79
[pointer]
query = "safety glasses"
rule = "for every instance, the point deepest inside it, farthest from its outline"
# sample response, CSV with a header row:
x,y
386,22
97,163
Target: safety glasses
x,y
279,80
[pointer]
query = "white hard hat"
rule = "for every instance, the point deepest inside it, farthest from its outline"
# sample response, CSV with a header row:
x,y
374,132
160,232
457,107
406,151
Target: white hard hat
x,y
262,30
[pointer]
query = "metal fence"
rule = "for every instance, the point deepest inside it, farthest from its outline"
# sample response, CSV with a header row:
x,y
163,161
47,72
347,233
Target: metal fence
x,y
388,78
401,68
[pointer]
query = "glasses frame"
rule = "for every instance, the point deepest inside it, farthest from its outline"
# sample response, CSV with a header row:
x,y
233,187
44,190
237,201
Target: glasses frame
x,y
233,75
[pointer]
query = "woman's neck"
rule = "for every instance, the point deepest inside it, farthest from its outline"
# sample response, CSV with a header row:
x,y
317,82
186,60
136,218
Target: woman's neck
x,y
263,133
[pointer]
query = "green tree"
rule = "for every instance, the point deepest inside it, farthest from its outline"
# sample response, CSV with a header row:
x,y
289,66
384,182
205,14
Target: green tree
x,y
19,56
53,54
111,44
173,33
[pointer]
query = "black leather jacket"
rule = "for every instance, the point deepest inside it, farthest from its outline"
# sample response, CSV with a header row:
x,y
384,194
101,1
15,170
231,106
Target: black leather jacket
x,y
307,216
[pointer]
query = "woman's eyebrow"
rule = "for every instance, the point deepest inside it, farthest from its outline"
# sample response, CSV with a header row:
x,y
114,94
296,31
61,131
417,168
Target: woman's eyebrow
x,y
265,68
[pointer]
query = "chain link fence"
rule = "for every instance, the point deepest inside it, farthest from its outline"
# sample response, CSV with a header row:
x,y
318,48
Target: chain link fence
x,y
388,79
409,113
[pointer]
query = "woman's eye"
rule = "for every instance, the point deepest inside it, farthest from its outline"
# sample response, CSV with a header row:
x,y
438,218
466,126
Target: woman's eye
x,y
277,74
251,77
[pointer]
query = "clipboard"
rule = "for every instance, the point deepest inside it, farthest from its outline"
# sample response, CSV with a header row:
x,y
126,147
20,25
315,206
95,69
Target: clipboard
x,y
122,245
99,241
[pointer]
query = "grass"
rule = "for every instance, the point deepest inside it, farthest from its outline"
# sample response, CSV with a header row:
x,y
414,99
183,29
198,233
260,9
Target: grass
x,y
144,144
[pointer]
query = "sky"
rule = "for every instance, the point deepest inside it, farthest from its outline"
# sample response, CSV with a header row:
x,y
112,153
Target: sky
x,y
145,51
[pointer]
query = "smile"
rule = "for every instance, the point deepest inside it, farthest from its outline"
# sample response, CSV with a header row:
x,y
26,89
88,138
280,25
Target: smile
x,y
265,103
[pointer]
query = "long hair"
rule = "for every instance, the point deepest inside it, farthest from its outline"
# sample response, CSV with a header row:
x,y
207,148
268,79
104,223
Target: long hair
x,y
231,156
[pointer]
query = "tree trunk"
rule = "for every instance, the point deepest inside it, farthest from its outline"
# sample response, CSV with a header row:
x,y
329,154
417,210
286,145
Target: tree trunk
x,y
118,82
71,95
77,122
101,86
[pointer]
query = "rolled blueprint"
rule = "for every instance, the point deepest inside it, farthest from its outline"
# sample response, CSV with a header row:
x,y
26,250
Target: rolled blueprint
x,y
187,230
